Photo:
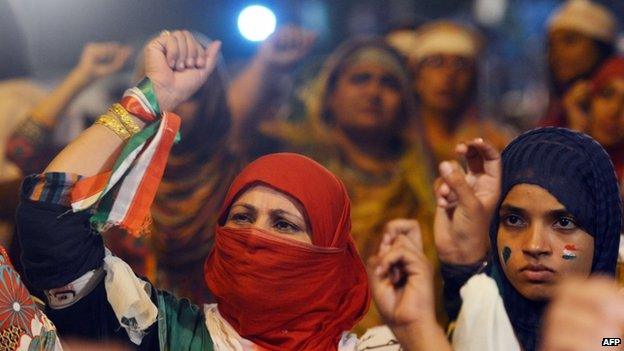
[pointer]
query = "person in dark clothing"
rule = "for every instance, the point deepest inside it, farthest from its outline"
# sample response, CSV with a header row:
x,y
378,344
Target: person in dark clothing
x,y
555,213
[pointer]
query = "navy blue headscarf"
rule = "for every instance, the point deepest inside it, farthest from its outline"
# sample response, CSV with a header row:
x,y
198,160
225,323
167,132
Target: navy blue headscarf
x,y
577,171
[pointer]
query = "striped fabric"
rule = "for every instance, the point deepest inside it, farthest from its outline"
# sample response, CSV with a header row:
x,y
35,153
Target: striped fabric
x,y
124,195
52,187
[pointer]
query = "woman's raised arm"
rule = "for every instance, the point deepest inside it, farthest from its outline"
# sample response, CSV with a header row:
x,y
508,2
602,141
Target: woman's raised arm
x,y
176,65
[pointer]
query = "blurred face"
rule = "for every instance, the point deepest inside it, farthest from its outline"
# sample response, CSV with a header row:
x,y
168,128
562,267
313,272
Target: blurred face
x,y
443,82
607,113
367,97
571,54
539,242
261,207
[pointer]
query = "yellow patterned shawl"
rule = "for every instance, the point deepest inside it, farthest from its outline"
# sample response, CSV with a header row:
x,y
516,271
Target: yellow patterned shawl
x,y
375,199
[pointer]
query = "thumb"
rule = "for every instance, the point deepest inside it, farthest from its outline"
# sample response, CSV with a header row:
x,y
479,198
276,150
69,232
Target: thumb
x,y
374,272
211,57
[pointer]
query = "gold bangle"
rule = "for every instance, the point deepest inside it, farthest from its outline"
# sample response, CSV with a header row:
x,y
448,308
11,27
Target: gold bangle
x,y
125,118
114,125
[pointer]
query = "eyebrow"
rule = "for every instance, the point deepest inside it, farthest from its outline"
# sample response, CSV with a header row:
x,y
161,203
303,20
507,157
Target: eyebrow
x,y
282,212
560,213
248,207
553,213
514,209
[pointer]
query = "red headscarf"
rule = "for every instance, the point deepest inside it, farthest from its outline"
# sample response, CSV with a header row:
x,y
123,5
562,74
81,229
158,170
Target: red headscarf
x,y
611,69
282,294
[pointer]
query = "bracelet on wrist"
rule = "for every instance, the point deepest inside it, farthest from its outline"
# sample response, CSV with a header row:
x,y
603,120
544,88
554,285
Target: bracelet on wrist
x,y
112,123
141,101
125,118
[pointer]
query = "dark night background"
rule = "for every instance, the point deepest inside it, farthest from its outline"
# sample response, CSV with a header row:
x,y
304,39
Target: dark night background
x,y
46,36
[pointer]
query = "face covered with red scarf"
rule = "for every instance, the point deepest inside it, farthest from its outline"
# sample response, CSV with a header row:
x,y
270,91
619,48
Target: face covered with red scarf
x,y
284,269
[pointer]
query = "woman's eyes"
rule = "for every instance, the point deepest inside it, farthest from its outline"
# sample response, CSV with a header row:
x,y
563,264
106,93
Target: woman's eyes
x,y
241,218
513,220
562,223
279,224
285,226
565,223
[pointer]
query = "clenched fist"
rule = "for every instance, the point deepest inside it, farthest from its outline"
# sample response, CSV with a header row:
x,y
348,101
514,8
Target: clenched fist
x,y
99,60
286,47
177,64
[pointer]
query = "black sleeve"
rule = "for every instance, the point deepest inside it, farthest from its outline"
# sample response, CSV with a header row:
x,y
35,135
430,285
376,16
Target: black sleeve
x,y
58,246
454,277
92,318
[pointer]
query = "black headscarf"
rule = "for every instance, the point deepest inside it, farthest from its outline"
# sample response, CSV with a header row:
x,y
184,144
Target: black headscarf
x,y
577,171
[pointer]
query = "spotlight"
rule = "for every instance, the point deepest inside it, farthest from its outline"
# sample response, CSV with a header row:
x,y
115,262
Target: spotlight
x,y
256,23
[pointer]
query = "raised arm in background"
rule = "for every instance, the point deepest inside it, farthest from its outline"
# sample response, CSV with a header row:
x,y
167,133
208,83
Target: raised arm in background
x,y
177,66
98,60
256,85
30,145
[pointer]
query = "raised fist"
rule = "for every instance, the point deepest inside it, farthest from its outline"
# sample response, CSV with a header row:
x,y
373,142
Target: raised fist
x,y
177,64
99,60
286,47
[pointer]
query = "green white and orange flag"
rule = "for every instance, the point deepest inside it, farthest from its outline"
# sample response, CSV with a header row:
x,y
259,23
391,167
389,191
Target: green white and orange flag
x,y
123,196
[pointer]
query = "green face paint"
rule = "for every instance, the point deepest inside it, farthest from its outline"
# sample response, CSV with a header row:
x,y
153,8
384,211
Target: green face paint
x,y
506,254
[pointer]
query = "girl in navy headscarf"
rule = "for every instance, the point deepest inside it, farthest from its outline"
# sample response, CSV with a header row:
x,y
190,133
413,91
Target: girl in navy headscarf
x,y
558,214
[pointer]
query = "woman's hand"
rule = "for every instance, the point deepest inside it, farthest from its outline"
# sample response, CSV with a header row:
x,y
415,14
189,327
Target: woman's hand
x,y
178,65
286,47
583,313
575,103
466,202
401,280
99,60
400,275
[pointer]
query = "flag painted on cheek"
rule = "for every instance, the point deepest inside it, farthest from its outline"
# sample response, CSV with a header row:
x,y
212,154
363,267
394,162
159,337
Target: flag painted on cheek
x,y
569,252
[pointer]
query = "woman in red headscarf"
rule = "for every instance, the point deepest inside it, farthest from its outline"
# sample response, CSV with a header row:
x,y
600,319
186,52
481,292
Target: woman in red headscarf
x,y
600,111
284,270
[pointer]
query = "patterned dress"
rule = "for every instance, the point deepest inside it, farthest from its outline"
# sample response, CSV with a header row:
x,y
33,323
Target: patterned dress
x,y
22,324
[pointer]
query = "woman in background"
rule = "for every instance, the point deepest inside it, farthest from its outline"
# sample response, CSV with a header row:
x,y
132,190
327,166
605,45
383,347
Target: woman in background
x,y
581,36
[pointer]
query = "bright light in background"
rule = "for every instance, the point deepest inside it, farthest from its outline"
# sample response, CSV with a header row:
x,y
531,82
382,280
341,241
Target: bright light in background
x,y
256,23
490,12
